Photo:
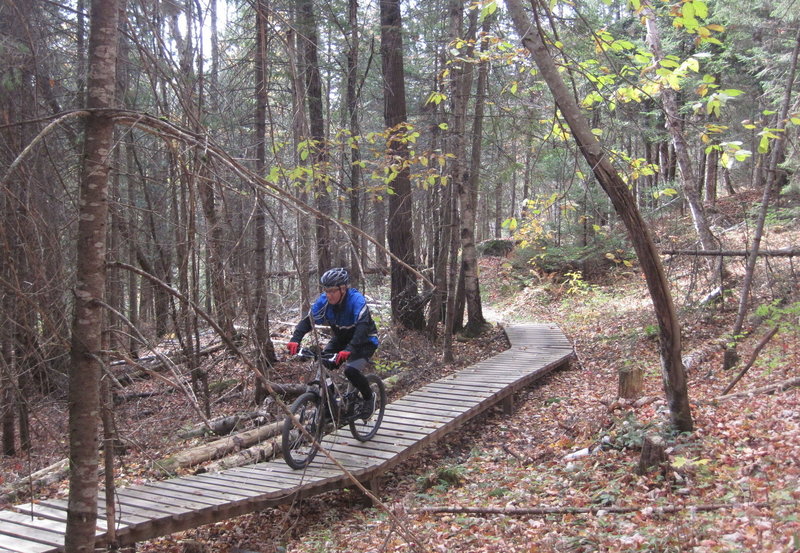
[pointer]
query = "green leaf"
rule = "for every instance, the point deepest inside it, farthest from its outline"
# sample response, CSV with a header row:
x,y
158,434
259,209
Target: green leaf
x,y
510,224
444,126
700,9
732,92
488,10
763,145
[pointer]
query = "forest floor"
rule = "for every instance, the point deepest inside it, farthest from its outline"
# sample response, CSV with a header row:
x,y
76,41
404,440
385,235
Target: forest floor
x,y
559,474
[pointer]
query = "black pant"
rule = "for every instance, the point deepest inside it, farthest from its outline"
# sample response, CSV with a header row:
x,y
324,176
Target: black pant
x,y
354,364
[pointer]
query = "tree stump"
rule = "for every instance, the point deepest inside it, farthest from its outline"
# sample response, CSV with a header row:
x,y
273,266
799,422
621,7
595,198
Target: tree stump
x,y
631,381
654,454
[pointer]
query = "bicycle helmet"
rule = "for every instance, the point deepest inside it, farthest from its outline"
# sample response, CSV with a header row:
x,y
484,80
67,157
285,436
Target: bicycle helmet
x,y
335,277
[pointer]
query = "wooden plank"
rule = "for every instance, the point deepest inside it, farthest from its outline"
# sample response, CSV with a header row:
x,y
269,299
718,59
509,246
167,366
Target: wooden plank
x,y
423,403
461,390
161,496
38,534
263,484
43,510
430,409
21,545
127,504
477,385
361,450
352,463
409,414
36,522
197,494
453,409
313,477
395,440
167,489
57,510
266,487
234,495
446,398
420,431
277,470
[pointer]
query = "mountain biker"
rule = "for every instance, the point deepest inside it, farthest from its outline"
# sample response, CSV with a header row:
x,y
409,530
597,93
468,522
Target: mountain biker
x,y
355,336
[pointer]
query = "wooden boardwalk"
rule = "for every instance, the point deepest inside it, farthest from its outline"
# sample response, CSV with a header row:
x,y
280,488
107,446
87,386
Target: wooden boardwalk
x,y
409,425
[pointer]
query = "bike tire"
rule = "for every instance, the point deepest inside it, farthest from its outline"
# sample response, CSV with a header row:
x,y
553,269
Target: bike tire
x,y
298,450
364,430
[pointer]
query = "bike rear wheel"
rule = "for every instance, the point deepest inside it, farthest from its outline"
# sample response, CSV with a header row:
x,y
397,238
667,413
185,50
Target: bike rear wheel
x,y
298,449
363,430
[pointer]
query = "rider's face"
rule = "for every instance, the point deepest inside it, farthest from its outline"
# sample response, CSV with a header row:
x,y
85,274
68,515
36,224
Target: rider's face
x,y
334,294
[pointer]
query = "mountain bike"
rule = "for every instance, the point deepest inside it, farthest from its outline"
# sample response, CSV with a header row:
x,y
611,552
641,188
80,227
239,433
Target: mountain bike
x,y
330,402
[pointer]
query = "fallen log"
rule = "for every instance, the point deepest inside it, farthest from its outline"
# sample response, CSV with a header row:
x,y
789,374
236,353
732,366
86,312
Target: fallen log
x,y
218,448
249,456
48,475
221,426
779,387
529,511
783,252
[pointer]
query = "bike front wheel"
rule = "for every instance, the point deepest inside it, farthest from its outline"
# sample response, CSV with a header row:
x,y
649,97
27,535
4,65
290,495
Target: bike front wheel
x,y
364,429
298,448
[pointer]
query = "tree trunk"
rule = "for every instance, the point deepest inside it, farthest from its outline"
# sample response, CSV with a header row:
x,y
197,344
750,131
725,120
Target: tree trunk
x,y
476,324
406,304
86,352
265,351
460,87
359,257
307,26
299,132
673,374
690,184
775,157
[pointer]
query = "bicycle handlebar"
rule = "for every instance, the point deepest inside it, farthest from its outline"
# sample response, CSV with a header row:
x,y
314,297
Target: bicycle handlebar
x,y
306,353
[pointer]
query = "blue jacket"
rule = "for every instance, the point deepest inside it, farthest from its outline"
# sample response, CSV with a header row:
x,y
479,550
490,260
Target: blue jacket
x,y
350,321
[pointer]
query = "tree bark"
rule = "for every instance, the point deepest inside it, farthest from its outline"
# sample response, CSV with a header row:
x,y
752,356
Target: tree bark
x,y
86,352
406,304
690,184
265,351
775,157
476,323
460,86
673,373
307,25
219,448
359,257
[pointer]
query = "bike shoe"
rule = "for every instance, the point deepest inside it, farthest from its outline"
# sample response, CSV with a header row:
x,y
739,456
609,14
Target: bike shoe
x,y
367,408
